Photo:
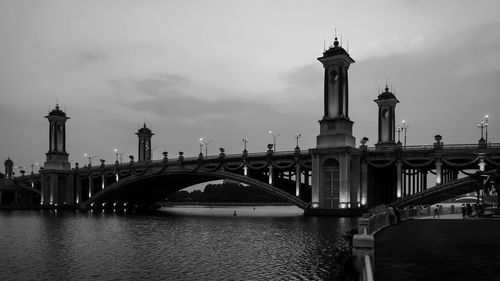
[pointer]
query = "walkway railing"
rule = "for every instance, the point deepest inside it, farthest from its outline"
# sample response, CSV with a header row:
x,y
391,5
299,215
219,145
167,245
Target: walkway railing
x,y
363,243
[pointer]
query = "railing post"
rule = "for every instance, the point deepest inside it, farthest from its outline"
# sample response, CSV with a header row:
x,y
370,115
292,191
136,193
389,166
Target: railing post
x,y
364,224
363,245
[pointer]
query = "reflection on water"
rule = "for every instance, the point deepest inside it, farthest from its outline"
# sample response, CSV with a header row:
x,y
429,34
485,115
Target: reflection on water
x,y
178,243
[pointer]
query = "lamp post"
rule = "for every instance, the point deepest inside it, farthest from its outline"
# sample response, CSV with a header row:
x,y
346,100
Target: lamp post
x,y
486,125
206,143
297,137
404,127
201,146
33,166
90,157
118,152
275,136
481,125
245,140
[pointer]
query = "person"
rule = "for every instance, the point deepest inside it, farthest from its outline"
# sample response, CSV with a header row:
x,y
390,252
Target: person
x,y
234,214
436,212
398,217
464,210
390,210
469,210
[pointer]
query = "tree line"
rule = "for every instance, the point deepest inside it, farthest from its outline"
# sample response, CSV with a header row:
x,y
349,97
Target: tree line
x,y
224,192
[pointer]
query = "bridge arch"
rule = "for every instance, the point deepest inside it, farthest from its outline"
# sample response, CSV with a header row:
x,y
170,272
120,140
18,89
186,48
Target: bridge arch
x,y
150,187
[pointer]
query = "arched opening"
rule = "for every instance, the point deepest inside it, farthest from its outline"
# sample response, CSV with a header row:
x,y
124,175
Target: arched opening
x,y
143,190
331,183
62,191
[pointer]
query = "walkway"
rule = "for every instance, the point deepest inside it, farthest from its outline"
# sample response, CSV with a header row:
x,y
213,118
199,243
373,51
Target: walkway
x,y
439,249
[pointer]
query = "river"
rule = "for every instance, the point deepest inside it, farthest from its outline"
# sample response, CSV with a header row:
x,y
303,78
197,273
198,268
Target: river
x,y
176,243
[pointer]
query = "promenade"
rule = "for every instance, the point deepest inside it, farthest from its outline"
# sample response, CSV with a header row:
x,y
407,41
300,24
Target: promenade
x,y
449,248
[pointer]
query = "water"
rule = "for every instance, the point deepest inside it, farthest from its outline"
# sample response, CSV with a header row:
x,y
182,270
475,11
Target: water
x,y
182,243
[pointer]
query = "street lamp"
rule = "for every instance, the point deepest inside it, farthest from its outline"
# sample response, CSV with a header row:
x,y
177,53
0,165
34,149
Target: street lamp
x,y
245,140
90,157
201,146
481,124
118,152
486,125
274,138
206,143
32,166
297,137
404,127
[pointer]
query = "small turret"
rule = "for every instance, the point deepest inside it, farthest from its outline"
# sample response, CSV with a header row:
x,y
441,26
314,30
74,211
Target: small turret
x,y
9,166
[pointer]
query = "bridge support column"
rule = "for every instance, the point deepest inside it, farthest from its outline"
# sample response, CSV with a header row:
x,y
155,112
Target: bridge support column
x,y
53,191
91,185
271,175
424,180
364,183
103,181
78,189
439,172
398,178
297,180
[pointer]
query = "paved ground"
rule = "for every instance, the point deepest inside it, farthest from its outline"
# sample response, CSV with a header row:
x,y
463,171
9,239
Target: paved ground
x,y
439,249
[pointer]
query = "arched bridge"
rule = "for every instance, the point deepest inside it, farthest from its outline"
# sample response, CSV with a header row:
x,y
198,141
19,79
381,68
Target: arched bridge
x,y
283,174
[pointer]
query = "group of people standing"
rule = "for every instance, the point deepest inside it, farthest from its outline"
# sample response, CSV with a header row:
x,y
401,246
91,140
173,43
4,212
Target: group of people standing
x,y
467,210
394,216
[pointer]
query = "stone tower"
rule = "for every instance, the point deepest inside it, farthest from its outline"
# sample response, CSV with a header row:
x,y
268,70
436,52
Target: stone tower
x,y
57,157
335,126
56,177
386,102
335,179
9,169
144,134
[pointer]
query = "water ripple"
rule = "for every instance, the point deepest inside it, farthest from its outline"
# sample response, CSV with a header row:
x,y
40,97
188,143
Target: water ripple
x,y
187,244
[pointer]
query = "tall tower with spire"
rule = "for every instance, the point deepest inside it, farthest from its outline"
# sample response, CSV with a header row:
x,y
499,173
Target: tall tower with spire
x,y
9,165
56,177
336,161
144,134
335,126
57,157
386,102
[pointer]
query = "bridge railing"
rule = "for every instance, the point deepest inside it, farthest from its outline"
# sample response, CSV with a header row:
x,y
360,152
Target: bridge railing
x,y
468,146
363,243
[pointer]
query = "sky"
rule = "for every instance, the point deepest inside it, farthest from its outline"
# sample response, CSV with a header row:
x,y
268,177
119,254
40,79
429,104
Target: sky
x,y
227,70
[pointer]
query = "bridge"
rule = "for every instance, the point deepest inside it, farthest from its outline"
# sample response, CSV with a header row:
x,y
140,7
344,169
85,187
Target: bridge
x,y
335,177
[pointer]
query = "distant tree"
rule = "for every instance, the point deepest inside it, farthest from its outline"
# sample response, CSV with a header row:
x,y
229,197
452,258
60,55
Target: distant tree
x,y
179,196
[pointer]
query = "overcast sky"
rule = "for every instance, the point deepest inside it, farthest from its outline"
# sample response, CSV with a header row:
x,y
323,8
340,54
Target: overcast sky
x,y
225,70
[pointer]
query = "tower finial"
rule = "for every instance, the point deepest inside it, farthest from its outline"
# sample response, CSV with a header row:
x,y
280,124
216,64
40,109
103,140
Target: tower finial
x,y
348,46
340,40
324,44
335,29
